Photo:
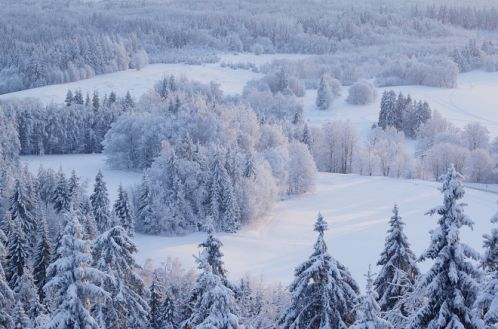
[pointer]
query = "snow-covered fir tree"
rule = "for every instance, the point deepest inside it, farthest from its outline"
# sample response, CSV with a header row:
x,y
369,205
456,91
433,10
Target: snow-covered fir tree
x,y
113,255
27,295
450,286
42,257
21,208
61,198
19,318
487,301
323,95
225,209
17,254
6,297
321,297
368,310
145,215
73,187
167,317
388,111
87,220
398,266
73,287
155,302
122,211
100,204
216,305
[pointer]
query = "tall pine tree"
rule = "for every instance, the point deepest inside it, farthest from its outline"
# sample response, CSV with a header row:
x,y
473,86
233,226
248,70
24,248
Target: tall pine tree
x,y
42,258
17,255
450,286
61,198
321,297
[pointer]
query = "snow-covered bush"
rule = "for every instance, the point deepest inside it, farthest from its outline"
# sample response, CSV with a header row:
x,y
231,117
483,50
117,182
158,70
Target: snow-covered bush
x,y
361,93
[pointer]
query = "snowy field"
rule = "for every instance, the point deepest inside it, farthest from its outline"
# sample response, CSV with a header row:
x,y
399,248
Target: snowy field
x,y
458,104
474,100
139,82
356,207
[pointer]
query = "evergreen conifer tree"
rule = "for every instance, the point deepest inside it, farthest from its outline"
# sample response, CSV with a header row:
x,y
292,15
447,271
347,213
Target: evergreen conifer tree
x,y
368,311
320,296
398,266
122,211
450,286
73,287
61,198
155,300
113,255
42,258
487,302
100,204
323,95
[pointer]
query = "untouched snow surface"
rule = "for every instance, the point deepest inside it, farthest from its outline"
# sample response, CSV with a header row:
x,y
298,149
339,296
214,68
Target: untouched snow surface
x,y
357,209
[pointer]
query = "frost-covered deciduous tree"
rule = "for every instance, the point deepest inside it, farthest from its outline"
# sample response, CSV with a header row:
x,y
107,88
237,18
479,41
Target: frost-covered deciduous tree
x,y
361,93
100,204
113,255
475,136
439,157
479,166
321,296
73,287
398,268
302,170
450,286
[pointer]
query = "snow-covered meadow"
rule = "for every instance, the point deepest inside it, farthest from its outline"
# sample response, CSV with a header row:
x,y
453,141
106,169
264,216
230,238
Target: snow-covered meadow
x,y
356,207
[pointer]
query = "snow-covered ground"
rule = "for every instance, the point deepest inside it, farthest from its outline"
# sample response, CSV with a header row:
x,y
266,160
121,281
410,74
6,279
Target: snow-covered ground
x,y
474,100
139,82
356,207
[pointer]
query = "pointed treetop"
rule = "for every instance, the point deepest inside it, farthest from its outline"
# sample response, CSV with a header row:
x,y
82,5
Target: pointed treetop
x,y
320,224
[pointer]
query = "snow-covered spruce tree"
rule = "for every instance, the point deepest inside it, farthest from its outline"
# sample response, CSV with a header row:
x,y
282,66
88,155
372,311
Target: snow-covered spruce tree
x,y
145,215
27,294
87,220
21,208
167,313
19,318
223,202
387,114
321,297
323,95
100,204
61,198
216,305
122,211
73,288
41,258
487,301
212,255
113,255
398,266
450,286
73,187
368,311
6,297
155,302
17,253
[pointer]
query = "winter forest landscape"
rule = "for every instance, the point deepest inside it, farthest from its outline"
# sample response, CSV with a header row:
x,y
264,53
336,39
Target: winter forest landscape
x,y
248,164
